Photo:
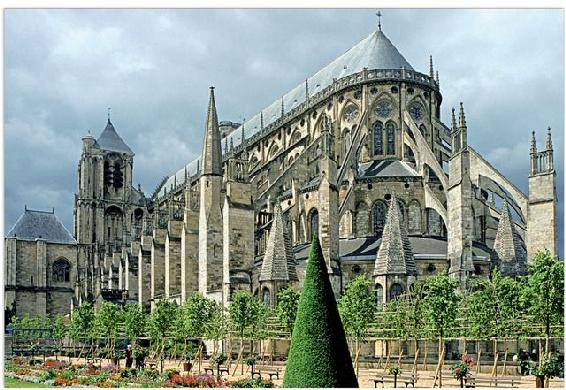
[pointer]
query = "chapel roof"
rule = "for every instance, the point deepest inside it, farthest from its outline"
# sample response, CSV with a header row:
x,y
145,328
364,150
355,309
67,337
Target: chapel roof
x,y
373,52
44,225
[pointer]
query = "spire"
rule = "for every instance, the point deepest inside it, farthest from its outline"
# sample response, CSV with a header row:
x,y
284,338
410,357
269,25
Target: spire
x,y
243,130
508,246
549,139
212,149
462,117
261,119
453,119
431,68
278,260
282,107
395,255
437,79
533,143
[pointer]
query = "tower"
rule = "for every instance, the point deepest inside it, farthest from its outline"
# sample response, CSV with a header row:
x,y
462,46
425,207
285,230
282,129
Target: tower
x,y
211,199
541,219
459,199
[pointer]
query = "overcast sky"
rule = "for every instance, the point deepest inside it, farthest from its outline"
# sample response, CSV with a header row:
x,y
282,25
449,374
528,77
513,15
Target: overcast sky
x,y
153,68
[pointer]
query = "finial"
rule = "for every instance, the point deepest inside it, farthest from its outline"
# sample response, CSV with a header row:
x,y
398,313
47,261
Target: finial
x,y
307,88
379,20
282,107
109,114
211,88
243,130
226,145
453,119
462,116
431,68
261,119
549,139
533,142
231,144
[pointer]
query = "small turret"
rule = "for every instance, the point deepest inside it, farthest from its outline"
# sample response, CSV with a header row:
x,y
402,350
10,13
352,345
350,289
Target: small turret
x,y
463,128
431,70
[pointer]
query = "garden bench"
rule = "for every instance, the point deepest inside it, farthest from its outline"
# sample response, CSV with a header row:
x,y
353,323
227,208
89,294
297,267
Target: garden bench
x,y
152,364
221,370
505,381
407,379
271,373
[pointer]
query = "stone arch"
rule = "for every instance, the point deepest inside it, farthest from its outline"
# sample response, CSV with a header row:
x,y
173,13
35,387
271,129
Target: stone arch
x,y
396,290
414,217
435,224
273,150
379,212
266,296
379,294
390,136
313,225
362,219
113,222
296,136
346,224
61,270
378,132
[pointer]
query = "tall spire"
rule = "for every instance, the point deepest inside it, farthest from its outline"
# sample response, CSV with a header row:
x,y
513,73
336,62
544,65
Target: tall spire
x,y
508,245
533,143
261,119
437,79
212,149
453,119
549,139
395,255
462,117
431,68
278,260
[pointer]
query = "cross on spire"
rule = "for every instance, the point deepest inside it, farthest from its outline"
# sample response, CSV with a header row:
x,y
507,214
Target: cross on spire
x,y
379,20
109,114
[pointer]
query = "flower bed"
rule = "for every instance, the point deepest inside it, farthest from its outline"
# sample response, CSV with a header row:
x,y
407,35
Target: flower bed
x,y
63,374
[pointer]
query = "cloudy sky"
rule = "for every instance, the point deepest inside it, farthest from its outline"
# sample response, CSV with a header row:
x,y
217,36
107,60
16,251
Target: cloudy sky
x,y
153,68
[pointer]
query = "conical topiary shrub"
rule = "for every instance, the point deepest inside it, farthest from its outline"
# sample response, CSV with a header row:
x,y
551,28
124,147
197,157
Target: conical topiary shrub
x,y
319,355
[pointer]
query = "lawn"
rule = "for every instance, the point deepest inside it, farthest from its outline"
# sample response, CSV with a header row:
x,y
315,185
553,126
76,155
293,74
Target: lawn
x,y
9,382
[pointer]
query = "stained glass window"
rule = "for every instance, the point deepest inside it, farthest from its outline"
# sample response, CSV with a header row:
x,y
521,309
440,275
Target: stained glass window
x,y
390,129
378,138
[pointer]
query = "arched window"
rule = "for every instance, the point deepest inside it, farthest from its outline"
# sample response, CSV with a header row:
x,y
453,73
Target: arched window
x,y
377,138
379,211
401,210
379,294
313,221
414,217
395,291
61,271
265,296
118,176
390,129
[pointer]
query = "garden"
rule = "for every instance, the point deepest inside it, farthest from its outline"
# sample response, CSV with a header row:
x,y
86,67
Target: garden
x,y
500,327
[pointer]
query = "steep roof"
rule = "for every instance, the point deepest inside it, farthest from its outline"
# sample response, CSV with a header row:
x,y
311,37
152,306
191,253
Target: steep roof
x,y
373,52
395,255
212,148
508,246
386,168
278,261
45,225
111,141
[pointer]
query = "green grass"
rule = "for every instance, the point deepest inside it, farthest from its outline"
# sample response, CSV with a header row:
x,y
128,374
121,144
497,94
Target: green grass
x,y
9,382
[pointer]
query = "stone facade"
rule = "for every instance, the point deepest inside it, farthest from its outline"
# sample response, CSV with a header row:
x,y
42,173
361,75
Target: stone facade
x,y
327,159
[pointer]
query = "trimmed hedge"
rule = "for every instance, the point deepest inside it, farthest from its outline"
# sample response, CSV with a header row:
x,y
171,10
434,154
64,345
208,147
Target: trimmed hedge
x,y
319,355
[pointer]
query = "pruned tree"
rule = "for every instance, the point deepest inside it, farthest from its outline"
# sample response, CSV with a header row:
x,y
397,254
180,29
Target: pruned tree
x,y
357,308
245,312
287,304
135,322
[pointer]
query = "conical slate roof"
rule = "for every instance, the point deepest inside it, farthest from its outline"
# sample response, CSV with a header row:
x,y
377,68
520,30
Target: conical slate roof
x,y
373,52
395,255
44,225
111,141
508,246
278,260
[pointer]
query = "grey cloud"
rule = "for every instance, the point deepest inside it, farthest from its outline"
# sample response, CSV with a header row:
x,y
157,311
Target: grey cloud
x,y
153,67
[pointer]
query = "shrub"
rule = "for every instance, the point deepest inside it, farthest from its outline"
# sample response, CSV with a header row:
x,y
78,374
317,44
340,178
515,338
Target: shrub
x,y
248,383
319,355
194,381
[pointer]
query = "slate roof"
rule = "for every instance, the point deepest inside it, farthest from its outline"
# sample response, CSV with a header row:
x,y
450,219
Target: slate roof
x,y
395,254
386,168
45,225
373,52
365,248
111,141
278,260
